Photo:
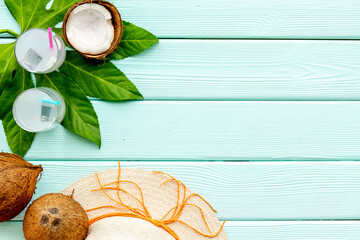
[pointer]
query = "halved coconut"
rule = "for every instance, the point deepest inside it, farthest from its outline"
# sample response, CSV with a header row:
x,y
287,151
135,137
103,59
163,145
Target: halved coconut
x,y
93,28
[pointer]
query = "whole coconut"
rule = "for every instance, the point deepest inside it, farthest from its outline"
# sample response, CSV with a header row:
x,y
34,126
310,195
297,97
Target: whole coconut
x,y
18,180
55,216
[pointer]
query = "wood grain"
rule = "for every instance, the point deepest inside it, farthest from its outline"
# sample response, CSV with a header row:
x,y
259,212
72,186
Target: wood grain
x,y
243,191
293,230
214,119
349,230
237,18
246,70
211,130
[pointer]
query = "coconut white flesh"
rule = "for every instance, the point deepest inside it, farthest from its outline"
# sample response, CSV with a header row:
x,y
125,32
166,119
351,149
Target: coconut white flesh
x,y
89,28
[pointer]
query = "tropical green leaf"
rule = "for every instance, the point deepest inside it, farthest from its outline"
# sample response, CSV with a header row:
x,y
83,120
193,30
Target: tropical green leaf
x,y
78,77
134,41
8,31
20,83
7,64
100,80
33,14
18,139
58,31
80,117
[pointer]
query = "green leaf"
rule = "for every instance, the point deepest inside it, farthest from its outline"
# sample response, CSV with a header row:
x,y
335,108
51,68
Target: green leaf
x,y
80,117
18,139
33,14
100,80
78,76
20,83
7,64
8,31
58,31
134,41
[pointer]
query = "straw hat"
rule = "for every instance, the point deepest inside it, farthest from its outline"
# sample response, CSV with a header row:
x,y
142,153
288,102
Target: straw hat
x,y
128,204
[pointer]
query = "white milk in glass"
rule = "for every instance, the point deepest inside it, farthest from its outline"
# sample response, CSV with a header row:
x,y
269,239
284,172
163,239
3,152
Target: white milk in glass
x,y
34,54
39,109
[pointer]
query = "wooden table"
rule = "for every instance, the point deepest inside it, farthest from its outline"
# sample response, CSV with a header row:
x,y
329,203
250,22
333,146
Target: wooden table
x,y
253,104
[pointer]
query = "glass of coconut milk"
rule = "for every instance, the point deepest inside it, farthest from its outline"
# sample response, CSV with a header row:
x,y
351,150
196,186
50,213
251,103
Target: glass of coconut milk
x,y
38,51
39,109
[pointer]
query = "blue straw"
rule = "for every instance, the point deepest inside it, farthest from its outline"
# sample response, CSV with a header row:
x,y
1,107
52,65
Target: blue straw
x,y
50,101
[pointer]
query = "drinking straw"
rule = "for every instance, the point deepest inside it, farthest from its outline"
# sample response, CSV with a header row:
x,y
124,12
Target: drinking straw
x,y
50,101
50,37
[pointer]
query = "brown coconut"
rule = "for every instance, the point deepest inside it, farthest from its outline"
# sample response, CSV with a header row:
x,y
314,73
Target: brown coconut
x,y
18,180
116,22
55,216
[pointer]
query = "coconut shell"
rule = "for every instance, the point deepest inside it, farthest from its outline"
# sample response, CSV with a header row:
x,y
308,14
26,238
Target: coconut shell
x,y
55,216
116,21
18,180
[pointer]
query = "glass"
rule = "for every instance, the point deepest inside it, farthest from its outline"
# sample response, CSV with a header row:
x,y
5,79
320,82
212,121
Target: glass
x,y
39,109
33,52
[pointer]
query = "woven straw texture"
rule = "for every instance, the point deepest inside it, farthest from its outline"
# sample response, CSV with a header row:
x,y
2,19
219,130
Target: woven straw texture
x,y
126,228
158,200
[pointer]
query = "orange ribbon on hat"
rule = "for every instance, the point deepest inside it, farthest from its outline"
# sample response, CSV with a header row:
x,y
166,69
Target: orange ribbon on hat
x,y
182,202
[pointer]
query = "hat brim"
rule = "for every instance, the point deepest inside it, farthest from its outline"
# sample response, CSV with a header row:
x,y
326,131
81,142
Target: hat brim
x,y
159,198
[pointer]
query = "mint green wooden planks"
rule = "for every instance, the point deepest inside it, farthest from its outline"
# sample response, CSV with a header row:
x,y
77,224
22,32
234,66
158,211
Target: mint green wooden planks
x,y
212,130
246,70
243,191
280,230
237,18
253,230
199,125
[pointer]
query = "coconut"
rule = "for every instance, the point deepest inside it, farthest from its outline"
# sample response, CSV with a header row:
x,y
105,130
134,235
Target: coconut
x,y
18,180
55,216
93,28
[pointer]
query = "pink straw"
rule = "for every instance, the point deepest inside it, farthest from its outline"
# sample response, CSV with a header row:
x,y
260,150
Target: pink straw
x,y
50,37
